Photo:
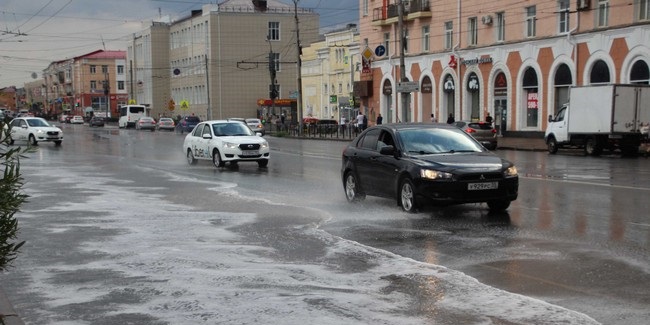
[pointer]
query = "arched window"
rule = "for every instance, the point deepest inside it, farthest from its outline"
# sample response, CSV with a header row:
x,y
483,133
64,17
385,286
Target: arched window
x,y
531,97
563,81
640,73
599,73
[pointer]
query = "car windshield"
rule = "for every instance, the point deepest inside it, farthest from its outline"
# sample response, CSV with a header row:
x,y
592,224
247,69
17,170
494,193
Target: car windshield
x,y
37,122
231,129
435,141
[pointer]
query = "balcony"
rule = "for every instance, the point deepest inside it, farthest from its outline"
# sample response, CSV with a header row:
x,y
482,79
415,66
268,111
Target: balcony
x,y
413,9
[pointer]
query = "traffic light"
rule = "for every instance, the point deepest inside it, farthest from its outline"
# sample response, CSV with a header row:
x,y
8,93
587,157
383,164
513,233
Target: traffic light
x,y
273,91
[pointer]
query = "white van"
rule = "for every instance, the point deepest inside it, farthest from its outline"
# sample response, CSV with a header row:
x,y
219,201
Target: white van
x,y
129,114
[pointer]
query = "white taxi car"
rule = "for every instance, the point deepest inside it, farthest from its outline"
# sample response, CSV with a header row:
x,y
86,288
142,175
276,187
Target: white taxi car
x,y
34,130
225,141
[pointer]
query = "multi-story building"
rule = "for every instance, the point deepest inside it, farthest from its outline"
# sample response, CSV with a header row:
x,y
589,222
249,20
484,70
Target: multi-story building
x,y
93,82
515,60
149,71
330,68
218,64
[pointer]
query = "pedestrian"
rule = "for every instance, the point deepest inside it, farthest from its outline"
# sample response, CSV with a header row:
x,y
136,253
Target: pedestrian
x,y
365,123
488,118
360,121
342,123
433,118
450,119
380,119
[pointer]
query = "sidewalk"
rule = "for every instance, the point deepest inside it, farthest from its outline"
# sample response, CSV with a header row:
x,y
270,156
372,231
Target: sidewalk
x,y
516,143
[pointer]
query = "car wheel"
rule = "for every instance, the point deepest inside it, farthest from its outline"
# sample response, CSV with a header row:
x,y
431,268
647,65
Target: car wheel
x,y
190,157
407,196
32,140
498,205
552,145
216,159
263,163
352,189
57,143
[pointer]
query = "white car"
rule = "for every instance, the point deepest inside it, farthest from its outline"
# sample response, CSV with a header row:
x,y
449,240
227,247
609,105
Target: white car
x,y
77,119
34,130
225,141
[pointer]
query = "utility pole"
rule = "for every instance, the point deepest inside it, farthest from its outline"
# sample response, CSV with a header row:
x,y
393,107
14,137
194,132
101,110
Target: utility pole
x,y
207,86
273,91
402,67
299,68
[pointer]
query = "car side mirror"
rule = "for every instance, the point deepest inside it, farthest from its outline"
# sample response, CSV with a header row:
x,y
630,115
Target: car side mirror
x,y
207,136
259,134
387,150
550,118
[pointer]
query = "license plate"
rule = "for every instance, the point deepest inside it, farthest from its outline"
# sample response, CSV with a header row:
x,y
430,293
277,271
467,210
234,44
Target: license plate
x,y
250,152
482,186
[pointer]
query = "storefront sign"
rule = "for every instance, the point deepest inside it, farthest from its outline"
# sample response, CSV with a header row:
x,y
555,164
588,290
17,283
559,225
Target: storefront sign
x,y
426,87
476,61
388,88
448,86
532,100
472,83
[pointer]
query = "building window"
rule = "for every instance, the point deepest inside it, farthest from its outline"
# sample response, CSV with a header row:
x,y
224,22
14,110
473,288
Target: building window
x,y
93,84
365,8
120,85
603,13
104,69
274,31
563,16
120,69
425,38
93,69
531,12
640,73
501,26
643,12
599,73
472,29
387,43
449,35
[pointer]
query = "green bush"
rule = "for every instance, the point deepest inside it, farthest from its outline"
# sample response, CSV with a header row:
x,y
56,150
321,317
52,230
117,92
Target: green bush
x,y
11,197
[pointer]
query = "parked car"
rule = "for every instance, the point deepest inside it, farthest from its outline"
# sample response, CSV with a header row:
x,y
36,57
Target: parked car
x,y
34,130
145,123
77,119
166,123
224,141
187,123
256,125
68,119
63,118
418,164
96,121
483,132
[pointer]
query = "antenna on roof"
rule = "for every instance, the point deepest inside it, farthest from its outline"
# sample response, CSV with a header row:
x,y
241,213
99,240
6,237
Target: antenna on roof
x,y
104,45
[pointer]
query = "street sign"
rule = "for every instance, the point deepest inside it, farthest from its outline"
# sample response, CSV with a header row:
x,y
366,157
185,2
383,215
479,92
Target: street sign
x,y
185,105
380,50
407,86
367,53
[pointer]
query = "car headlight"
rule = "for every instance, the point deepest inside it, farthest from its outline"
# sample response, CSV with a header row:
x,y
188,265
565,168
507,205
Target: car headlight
x,y
230,145
264,144
434,174
510,172
40,131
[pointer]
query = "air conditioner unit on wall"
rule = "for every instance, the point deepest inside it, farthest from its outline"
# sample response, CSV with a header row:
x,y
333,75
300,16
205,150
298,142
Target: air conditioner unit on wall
x,y
487,20
582,4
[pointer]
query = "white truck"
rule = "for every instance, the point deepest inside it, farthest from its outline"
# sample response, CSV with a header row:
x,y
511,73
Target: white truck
x,y
599,117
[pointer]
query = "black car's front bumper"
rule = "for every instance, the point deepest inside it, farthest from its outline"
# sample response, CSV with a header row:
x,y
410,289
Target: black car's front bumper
x,y
457,192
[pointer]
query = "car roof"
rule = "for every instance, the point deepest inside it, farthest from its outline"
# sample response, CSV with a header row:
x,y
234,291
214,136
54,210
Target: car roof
x,y
405,126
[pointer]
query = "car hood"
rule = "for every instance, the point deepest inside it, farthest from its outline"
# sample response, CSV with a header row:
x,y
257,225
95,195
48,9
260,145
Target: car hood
x,y
468,162
47,128
243,139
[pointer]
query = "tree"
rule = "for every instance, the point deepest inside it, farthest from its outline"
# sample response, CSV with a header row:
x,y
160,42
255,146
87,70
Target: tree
x,y
11,197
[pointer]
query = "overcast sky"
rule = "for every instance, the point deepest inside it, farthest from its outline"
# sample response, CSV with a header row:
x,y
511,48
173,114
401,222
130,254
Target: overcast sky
x,y
34,33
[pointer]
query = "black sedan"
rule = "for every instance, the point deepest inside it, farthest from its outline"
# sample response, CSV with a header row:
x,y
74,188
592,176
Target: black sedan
x,y
419,164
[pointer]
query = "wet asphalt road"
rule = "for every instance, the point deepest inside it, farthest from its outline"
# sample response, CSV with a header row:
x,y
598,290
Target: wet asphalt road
x,y
578,236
